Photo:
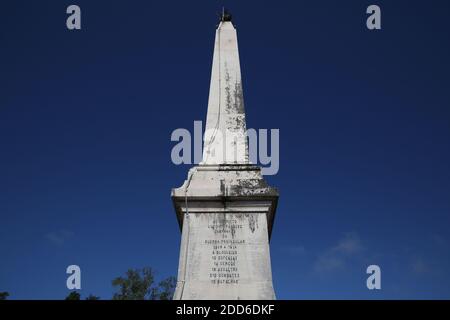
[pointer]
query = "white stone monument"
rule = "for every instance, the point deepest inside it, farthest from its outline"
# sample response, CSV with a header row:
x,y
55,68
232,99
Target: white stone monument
x,y
225,209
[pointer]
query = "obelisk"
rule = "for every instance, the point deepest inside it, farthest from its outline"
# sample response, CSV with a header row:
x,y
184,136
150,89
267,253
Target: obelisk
x,y
225,209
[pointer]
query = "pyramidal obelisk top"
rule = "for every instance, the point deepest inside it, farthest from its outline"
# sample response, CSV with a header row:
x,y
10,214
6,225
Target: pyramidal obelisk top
x,y
225,208
225,139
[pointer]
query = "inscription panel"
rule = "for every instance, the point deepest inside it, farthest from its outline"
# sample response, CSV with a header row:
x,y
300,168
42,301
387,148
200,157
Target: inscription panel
x,y
229,252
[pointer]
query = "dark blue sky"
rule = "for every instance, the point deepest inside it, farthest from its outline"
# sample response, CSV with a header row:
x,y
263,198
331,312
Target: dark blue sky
x,y
364,119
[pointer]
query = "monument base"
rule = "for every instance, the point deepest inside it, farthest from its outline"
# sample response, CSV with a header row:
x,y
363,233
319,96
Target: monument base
x,y
226,224
225,256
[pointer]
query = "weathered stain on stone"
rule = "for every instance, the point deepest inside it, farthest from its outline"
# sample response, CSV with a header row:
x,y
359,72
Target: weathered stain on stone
x,y
238,97
233,230
240,122
242,187
252,222
228,103
234,101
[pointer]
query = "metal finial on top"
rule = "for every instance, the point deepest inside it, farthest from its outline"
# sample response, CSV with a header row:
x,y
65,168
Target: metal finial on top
x,y
225,16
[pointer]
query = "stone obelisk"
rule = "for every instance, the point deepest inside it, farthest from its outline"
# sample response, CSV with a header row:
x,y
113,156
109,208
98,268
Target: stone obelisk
x,y
225,209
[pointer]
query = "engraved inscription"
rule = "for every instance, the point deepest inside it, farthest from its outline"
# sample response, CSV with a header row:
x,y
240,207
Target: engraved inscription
x,y
224,248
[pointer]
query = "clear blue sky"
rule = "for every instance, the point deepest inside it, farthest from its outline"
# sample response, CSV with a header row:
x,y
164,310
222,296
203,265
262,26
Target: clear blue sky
x,y
364,119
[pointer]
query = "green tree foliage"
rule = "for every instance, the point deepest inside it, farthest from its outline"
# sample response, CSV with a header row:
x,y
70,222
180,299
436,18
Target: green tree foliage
x,y
77,296
166,288
4,295
139,284
73,296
